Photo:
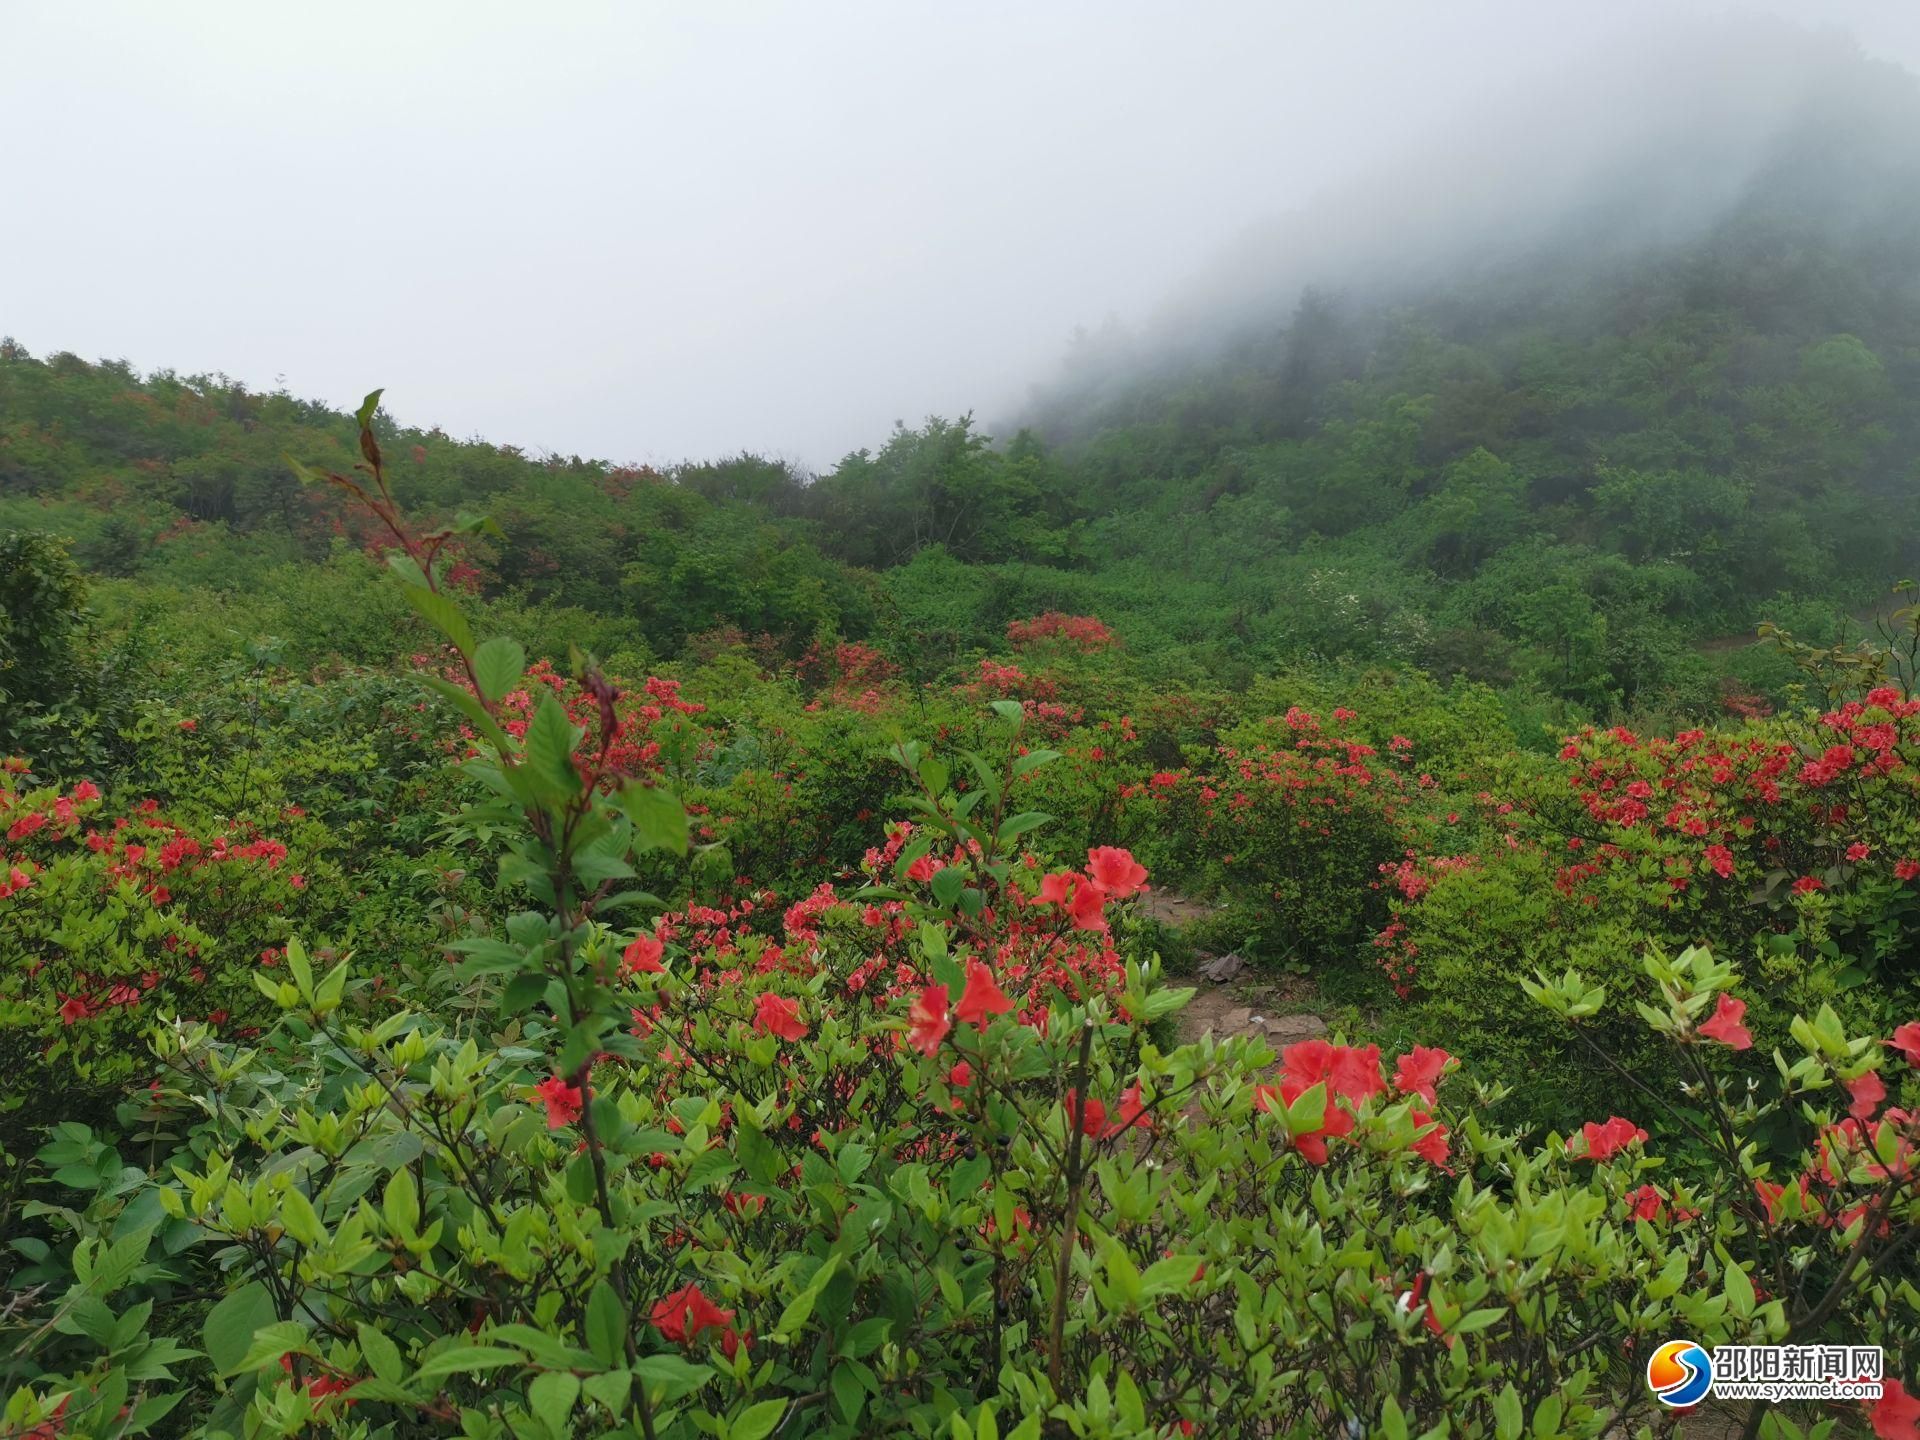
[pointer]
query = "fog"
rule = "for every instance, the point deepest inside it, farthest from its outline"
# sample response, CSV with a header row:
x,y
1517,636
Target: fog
x,y
650,232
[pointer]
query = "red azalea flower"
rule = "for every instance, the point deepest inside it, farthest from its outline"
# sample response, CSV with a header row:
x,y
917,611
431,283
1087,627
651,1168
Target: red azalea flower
x,y
1131,1113
1431,1144
1859,851
1896,1414
777,1015
1807,884
1419,1071
1907,1041
1088,905
1725,1025
1868,1091
1906,869
642,957
74,1009
1115,871
927,1022
960,1076
681,1316
562,1101
1606,1141
1644,1203
982,998
1092,1118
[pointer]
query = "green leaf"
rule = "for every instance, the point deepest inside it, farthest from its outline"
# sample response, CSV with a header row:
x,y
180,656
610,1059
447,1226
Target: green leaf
x,y
757,1422
364,415
606,1324
401,1204
948,883
1033,760
1308,1114
297,1215
610,1388
1740,1295
551,737
1509,1419
462,700
381,1354
466,1359
668,1377
499,664
659,819
231,1325
267,1344
1015,826
551,1397
442,614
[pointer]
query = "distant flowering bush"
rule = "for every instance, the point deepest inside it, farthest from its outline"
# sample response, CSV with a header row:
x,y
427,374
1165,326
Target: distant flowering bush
x,y
111,918
1081,632
1304,825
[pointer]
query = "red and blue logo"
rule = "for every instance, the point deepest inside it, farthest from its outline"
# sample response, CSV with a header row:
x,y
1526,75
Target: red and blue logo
x,y
1680,1373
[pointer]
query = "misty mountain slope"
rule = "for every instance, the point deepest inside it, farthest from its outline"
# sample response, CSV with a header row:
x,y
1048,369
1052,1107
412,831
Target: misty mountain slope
x,y
1568,460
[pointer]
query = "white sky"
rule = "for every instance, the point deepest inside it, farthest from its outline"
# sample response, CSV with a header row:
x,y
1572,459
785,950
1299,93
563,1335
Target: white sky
x,y
647,232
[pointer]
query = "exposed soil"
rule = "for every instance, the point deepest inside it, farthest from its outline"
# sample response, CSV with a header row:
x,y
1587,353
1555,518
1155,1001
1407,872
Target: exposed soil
x,y
1281,1010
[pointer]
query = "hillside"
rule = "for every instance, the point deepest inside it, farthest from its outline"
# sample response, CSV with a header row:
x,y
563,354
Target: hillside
x,y
1277,897
1566,465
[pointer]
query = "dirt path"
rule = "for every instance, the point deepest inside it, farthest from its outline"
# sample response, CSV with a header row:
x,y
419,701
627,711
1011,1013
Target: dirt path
x,y
1245,1005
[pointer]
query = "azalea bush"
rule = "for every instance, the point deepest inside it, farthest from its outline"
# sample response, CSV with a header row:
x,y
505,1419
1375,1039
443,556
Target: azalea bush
x,y
112,916
1792,843
1300,824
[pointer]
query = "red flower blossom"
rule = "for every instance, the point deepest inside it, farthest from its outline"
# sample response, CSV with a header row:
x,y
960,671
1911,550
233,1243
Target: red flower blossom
x,y
1868,1091
1725,1025
927,1022
1092,1119
1431,1143
1907,1041
777,1015
74,1009
1132,1113
642,957
1088,906
1419,1071
1347,1070
561,1099
1859,851
1906,869
1644,1203
1115,871
1807,884
982,999
1720,860
684,1314
1606,1141
1896,1414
